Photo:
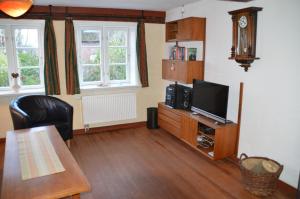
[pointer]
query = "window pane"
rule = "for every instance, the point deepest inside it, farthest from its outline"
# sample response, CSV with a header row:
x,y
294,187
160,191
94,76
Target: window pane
x,y
117,72
91,73
117,55
4,77
90,37
4,81
28,57
30,76
26,38
3,58
90,56
2,38
117,38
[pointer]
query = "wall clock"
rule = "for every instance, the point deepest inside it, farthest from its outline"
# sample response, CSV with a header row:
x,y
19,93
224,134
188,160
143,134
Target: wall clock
x,y
244,25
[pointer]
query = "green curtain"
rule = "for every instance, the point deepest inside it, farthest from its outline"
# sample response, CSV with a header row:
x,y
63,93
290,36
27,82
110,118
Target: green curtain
x,y
142,54
51,75
72,81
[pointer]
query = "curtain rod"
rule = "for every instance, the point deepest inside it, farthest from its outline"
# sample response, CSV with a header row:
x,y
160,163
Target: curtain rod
x,y
62,16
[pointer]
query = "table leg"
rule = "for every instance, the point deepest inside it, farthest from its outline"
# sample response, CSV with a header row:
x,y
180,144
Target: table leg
x,y
76,196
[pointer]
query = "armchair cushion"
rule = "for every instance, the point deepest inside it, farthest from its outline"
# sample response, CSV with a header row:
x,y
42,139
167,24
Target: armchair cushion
x,y
37,115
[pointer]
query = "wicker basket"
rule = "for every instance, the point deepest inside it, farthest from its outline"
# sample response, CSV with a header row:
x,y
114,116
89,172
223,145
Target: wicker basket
x,y
259,174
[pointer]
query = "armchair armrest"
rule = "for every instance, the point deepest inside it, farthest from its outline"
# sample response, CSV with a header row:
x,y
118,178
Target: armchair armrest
x,y
20,119
63,111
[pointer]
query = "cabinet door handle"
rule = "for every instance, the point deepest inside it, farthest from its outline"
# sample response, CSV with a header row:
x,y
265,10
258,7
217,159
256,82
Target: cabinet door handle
x,y
172,67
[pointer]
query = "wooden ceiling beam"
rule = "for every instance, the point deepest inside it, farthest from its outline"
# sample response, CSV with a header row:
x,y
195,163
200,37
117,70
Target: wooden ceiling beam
x,y
88,13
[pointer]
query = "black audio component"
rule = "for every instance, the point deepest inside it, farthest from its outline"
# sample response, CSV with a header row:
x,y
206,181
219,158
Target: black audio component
x,y
187,98
171,96
206,129
178,96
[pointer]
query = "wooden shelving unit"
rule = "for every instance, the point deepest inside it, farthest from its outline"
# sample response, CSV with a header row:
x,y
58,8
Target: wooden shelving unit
x,y
182,71
185,126
188,29
172,30
208,135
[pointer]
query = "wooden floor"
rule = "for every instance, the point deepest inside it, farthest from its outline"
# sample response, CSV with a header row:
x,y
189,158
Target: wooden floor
x,y
139,163
151,164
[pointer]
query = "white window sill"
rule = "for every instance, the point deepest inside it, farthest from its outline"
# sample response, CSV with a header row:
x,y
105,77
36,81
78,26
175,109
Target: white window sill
x,y
95,89
10,93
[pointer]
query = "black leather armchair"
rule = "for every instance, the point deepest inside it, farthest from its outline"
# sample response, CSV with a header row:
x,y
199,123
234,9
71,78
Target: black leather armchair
x,y
41,110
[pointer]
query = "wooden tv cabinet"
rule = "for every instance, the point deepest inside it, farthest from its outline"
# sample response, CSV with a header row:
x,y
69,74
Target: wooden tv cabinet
x,y
186,126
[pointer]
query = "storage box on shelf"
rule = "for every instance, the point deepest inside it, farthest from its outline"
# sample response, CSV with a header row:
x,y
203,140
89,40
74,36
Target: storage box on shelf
x,y
188,29
185,126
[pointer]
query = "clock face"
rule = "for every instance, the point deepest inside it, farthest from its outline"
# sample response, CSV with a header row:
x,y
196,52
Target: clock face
x,y
243,22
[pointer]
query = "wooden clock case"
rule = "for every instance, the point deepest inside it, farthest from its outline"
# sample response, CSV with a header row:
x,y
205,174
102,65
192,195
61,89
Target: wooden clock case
x,y
243,48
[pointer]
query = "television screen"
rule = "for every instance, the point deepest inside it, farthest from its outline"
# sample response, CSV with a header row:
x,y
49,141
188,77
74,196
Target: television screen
x,y
210,99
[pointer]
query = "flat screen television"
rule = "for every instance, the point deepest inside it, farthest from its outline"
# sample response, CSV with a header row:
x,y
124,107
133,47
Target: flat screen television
x,y
210,99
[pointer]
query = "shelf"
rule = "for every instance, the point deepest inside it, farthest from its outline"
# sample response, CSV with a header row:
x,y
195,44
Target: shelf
x,y
209,122
188,29
208,135
182,71
205,151
185,126
180,60
172,30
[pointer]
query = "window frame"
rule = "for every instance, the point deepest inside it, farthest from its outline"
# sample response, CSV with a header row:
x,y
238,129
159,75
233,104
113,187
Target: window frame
x,y
79,47
106,58
9,27
8,56
105,27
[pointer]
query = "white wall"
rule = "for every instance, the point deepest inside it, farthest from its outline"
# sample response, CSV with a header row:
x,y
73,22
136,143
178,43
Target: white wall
x,y
271,107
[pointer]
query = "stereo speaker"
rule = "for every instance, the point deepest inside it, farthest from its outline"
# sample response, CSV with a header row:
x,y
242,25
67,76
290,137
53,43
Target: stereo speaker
x,y
187,98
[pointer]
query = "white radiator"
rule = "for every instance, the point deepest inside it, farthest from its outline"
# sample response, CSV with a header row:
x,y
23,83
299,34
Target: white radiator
x,y
108,108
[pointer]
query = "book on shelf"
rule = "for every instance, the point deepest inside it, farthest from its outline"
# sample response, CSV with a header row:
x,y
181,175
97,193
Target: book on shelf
x,y
178,53
183,53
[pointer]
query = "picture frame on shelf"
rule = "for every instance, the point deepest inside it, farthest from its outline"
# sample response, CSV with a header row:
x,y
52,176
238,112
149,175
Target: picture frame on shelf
x,y
192,53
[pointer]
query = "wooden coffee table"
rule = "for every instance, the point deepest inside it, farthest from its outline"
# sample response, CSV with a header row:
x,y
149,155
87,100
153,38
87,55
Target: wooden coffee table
x,y
71,182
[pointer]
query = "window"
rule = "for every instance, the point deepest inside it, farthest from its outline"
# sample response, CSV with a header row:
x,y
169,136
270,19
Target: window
x,y
21,51
106,53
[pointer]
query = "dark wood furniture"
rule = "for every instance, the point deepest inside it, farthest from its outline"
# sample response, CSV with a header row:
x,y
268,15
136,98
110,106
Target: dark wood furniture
x,y
188,29
92,13
185,126
71,182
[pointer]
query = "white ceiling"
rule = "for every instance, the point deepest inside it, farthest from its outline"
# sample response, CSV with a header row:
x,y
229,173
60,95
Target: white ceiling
x,y
161,5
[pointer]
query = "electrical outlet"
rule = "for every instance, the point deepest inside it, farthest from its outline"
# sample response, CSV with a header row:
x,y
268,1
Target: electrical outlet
x,y
86,128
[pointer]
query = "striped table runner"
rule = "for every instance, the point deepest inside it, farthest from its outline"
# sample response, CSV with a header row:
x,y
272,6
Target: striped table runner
x,y
37,155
